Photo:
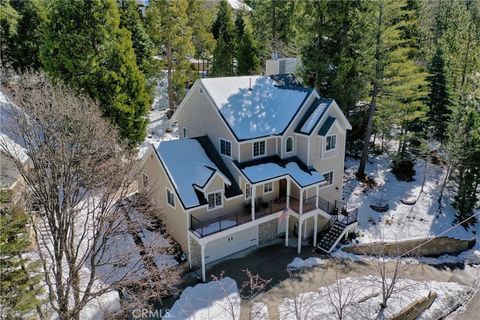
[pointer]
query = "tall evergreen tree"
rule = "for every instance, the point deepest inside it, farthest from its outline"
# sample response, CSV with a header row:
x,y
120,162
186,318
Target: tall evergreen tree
x,y
248,62
131,20
336,48
200,18
171,32
223,32
84,45
438,97
19,279
8,29
274,25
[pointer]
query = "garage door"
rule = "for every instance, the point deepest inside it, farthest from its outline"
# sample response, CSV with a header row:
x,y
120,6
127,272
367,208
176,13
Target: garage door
x,y
228,245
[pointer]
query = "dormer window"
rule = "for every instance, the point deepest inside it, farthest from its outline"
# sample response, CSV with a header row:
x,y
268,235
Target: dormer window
x,y
259,148
289,145
215,200
331,142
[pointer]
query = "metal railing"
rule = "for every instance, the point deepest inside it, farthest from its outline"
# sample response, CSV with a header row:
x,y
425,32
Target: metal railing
x,y
326,206
263,209
309,204
221,223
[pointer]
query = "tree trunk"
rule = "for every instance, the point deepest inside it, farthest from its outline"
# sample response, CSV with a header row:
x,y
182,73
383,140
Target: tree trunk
x,y
447,176
368,133
171,106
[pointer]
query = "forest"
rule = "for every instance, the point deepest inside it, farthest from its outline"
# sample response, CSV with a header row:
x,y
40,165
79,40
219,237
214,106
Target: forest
x,y
406,73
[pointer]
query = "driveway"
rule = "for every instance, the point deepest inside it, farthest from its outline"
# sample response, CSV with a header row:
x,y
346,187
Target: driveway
x,y
270,263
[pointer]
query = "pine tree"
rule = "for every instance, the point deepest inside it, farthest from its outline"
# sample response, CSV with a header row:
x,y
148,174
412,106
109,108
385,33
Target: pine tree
x,y
274,25
171,32
200,19
84,45
142,45
248,62
438,97
19,286
223,32
336,49
8,29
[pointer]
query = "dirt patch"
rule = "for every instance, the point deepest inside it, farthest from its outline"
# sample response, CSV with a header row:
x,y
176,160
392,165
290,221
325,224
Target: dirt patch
x,y
403,170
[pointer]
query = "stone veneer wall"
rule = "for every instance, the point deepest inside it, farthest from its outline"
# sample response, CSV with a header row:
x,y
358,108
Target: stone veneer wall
x,y
195,254
267,231
433,248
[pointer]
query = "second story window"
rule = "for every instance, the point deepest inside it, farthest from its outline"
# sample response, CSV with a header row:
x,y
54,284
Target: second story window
x,y
259,148
329,177
331,143
289,145
170,198
214,200
225,147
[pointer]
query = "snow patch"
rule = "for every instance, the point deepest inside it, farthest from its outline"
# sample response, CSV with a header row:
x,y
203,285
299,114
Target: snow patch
x,y
299,263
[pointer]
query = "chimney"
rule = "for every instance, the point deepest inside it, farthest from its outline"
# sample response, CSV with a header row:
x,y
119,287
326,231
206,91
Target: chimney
x,y
250,85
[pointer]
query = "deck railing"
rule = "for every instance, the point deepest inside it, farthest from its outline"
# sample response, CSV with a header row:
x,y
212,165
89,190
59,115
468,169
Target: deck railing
x,y
309,204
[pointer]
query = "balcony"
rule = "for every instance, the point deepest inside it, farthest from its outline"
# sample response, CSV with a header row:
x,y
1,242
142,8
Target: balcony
x,y
203,228
308,204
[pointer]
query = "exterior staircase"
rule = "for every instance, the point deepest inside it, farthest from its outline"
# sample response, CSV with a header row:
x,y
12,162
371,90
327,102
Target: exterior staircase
x,y
332,237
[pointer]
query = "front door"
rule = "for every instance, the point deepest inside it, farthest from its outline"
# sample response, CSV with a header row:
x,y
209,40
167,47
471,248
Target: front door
x,y
282,188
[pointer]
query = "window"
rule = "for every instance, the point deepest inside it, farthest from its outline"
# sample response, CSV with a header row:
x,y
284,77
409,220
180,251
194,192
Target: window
x,y
214,200
170,198
289,145
248,191
225,148
268,187
329,177
331,143
145,180
185,133
259,148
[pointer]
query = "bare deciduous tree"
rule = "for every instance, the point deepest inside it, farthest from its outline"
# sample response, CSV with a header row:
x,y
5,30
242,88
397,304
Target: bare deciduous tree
x,y
250,289
79,173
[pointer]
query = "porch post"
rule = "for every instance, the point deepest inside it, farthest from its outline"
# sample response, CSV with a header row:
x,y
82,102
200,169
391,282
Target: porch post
x,y
254,188
318,196
288,193
301,201
286,230
305,229
204,275
299,250
315,219
189,250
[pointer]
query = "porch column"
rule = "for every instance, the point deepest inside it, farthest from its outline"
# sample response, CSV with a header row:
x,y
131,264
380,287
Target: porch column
x,y
305,229
204,274
189,251
301,201
315,219
286,230
254,188
288,193
299,250
318,196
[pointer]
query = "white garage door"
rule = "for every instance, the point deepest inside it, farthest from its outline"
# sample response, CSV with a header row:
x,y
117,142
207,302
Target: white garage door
x,y
225,246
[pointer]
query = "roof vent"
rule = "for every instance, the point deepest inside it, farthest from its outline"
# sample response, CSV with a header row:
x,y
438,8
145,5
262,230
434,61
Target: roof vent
x,y
250,86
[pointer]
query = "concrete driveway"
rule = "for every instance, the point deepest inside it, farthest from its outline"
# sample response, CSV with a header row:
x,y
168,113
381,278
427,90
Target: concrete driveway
x,y
270,263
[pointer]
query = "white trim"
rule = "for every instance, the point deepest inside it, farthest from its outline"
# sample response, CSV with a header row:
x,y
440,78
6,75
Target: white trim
x,y
293,145
333,179
222,196
166,197
220,147
253,148
245,190
273,187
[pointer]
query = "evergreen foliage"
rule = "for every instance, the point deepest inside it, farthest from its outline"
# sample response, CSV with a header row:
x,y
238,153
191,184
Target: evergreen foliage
x,y
19,281
223,31
84,46
131,20
170,30
248,62
200,18
8,29
438,97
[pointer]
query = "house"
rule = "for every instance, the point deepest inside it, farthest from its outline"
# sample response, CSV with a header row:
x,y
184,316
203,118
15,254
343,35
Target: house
x,y
256,160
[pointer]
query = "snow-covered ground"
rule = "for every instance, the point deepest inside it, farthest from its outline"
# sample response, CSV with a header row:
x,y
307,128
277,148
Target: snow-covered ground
x,y
213,300
299,263
362,297
403,222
